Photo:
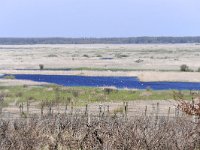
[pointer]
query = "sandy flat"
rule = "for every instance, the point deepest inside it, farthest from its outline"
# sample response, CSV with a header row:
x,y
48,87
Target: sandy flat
x,y
144,57
8,82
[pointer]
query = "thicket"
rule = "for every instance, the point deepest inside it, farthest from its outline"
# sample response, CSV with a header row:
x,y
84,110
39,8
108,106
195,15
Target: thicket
x,y
66,132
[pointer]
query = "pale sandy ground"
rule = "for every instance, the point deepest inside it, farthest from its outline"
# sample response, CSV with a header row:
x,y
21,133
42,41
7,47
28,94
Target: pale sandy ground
x,y
141,57
8,82
152,56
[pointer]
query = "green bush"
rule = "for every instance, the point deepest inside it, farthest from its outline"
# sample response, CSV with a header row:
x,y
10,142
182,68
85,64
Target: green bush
x,y
184,68
99,55
41,66
85,55
52,55
108,90
9,77
121,55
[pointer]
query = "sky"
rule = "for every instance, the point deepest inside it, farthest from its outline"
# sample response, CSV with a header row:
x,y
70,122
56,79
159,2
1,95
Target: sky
x,y
99,18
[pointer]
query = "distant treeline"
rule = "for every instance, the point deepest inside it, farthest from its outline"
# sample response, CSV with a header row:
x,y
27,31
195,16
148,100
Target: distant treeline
x,y
129,40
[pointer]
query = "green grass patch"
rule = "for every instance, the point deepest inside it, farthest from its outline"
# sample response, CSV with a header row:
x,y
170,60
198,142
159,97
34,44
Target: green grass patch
x,y
9,77
82,95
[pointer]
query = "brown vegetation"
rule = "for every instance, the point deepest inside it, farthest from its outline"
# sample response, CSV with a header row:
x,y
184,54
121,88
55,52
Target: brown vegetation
x,y
190,108
66,132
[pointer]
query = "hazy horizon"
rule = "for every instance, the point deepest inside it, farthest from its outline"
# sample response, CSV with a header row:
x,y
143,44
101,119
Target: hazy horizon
x,y
99,18
52,37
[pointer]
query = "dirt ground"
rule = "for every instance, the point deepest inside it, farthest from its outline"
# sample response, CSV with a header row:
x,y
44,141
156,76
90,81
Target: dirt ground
x,y
157,56
8,82
135,108
162,58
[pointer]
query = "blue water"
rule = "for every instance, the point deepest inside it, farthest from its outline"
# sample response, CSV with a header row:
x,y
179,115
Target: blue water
x,y
118,82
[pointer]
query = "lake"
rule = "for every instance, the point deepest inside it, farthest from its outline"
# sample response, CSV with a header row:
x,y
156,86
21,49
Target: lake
x,y
118,82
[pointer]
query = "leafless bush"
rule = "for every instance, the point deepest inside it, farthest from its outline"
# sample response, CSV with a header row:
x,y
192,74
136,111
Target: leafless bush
x,y
192,107
67,132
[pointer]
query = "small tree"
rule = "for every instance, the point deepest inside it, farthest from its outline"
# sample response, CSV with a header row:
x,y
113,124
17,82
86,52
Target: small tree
x,y
41,66
184,68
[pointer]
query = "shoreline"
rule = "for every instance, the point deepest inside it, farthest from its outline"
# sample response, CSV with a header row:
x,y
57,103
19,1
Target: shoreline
x,y
16,82
144,76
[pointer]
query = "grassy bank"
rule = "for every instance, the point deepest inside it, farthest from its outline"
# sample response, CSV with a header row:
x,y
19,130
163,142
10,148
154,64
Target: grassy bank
x,y
81,95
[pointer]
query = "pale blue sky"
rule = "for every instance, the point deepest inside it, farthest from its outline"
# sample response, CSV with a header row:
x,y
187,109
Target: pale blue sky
x,y
99,18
